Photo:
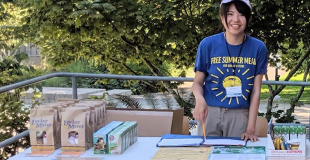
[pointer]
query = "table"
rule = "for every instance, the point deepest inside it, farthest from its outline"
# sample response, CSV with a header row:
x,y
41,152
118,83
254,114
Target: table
x,y
143,149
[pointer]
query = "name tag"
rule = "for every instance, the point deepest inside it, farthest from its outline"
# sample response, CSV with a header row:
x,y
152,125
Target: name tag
x,y
234,91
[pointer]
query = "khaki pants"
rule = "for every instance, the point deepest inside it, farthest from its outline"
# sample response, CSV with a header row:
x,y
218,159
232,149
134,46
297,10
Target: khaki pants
x,y
225,122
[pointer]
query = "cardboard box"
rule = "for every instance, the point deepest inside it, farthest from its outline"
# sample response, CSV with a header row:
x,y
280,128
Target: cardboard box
x,y
185,127
150,123
177,120
301,152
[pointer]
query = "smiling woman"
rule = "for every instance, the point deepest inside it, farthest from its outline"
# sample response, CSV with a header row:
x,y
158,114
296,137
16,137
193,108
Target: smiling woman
x,y
229,68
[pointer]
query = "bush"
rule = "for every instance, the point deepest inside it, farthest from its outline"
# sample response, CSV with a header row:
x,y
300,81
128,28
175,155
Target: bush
x,y
13,117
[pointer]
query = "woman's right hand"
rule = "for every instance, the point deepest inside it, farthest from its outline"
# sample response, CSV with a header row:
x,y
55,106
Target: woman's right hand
x,y
200,112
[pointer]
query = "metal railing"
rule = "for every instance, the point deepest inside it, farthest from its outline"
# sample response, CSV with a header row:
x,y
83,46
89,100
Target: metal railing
x,y
74,77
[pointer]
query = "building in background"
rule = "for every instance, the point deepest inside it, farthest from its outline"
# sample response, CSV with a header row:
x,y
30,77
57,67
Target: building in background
x,y
33,53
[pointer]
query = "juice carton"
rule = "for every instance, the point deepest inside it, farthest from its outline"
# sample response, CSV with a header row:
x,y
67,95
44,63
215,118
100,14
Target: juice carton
x,y
277,131
120,139
132,134
293,132
286,132
101,137
301,130
117,139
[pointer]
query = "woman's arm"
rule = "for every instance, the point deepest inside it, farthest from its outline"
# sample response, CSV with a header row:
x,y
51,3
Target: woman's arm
x,y
200,111
253,110
197,86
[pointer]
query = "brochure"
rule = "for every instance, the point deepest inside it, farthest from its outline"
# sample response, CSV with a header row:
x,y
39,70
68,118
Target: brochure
x,y
238,153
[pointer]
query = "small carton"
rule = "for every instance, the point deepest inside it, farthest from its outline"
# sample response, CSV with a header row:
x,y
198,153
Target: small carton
x,y
116,139
286,132
120,138
277,131
293,132
101,137
301,130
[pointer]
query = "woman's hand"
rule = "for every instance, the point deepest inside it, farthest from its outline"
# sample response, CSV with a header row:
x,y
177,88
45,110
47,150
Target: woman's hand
x,y
201,110
249,135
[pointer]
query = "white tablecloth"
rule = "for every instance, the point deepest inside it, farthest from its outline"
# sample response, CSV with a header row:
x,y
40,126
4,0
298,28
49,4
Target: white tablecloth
x,y
143,149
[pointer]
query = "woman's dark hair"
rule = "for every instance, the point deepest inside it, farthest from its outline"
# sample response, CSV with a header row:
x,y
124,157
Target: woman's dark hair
x,y
241,8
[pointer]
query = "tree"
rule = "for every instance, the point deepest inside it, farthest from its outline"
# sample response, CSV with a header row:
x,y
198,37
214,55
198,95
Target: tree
x,y
118,33
284,27
151,32
13,115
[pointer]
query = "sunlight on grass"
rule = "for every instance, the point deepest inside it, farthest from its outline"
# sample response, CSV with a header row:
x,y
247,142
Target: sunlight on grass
x,y
288,92
298,77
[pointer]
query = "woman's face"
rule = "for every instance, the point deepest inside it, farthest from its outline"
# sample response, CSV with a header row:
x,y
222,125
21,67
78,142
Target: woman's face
x,y
236,22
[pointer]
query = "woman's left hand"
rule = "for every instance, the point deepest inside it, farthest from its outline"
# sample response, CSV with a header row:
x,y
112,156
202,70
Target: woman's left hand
x,y
249,135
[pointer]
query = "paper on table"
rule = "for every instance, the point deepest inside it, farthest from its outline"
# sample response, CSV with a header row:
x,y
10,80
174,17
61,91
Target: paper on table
x,y
224,142
182,153
180,142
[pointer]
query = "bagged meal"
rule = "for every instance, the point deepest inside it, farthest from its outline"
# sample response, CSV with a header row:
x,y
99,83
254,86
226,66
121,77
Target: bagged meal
x,y
75,129
43,129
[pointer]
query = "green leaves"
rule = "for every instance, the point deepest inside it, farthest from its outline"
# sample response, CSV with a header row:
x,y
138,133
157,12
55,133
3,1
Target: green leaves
x,y
159,30
21,57
96,16
114,27
61,2
279,2
13,115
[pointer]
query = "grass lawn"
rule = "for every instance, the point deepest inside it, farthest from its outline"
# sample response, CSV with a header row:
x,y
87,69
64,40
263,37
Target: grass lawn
x,y
289,91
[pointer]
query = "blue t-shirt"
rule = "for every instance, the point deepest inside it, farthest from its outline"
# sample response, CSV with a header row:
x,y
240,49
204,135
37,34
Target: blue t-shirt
x,y
214,60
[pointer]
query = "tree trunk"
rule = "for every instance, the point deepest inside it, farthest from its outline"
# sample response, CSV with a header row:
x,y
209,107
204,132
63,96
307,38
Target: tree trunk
x,y
296,99
269,107
270,100
293,71
273,93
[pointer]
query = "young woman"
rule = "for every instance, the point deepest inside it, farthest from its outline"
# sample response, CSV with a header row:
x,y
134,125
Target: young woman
x,y
229,68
